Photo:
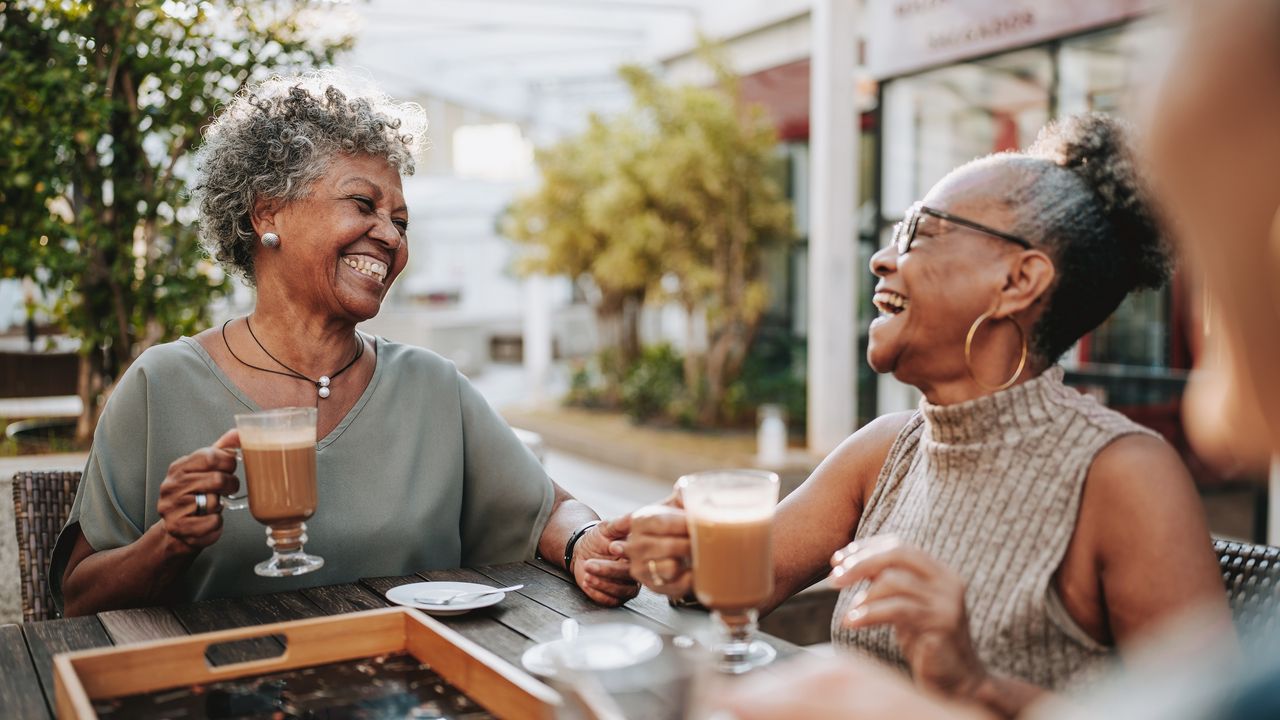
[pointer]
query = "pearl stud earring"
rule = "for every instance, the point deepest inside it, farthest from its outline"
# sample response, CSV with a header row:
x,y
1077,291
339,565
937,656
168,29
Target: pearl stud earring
x,y
270,240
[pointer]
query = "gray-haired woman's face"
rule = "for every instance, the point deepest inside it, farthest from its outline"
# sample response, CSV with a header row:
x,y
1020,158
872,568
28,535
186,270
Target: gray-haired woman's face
x,y
343,245
929,297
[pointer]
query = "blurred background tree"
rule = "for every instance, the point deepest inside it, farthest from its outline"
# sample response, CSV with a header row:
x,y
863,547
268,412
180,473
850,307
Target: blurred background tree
x,y
101,103
673,200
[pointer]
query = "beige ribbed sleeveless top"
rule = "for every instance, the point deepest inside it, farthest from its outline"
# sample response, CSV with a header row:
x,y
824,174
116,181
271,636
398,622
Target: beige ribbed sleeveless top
x,y
991,487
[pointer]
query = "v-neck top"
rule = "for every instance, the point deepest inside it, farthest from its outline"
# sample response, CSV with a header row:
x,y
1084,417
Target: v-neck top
x,y
421,474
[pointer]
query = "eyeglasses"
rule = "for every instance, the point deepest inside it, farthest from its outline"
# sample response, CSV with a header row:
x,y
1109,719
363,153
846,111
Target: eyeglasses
x,y
905,232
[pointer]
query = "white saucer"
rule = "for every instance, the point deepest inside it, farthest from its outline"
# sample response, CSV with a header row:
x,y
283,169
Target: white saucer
x,y
405,595
607,646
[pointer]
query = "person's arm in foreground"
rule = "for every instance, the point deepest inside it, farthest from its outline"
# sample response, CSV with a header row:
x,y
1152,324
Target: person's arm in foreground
x,y
146,571
835,688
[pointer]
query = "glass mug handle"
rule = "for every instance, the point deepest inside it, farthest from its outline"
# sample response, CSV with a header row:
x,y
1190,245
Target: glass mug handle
x,y
241,501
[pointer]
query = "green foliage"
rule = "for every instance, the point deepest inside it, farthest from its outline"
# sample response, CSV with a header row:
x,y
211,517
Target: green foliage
x,y
654,383
101,103
773,373
653,388
679,186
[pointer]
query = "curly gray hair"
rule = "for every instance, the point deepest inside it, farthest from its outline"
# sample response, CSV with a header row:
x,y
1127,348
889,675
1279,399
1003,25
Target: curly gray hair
x,y
277,137
1077,193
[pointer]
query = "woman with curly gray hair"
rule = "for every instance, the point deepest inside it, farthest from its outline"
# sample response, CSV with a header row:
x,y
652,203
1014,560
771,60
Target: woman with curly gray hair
x,y
299,192
1010,534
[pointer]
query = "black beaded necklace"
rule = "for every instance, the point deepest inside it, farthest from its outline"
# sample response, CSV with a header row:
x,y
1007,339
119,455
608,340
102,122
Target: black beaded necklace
x,y
322,384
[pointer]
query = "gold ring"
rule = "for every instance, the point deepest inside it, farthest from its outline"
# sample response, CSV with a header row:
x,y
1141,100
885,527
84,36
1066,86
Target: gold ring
x,y
653,572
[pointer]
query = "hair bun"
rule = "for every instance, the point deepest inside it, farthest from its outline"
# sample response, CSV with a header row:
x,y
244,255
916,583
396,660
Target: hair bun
x,y
1095,146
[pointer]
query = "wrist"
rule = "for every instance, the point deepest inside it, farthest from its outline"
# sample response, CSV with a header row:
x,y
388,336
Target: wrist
x,y
169,547
571,545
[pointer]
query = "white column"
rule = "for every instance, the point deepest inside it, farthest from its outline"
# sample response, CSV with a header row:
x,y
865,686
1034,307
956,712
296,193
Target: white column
x,y
833,187
1273,503
537,336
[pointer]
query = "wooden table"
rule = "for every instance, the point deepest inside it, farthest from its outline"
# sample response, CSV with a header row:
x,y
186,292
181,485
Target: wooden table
x,y
531,615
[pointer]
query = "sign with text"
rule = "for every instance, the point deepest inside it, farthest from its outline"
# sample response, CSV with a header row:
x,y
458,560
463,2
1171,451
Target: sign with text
x,y
908,35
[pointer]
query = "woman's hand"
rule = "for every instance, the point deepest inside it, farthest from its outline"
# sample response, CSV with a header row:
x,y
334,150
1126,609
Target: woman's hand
x,y
659,548
206,471
600,565
834,688
923,600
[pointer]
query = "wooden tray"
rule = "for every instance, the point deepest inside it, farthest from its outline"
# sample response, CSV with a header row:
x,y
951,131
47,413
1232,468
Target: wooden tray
x,y
80,677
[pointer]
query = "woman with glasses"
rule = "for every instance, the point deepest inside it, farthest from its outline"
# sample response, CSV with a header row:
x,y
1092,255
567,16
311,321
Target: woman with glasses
x,y
1011,533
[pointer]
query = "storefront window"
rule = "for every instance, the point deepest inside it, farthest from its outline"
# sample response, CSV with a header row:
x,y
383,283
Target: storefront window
x,y
938,120
1099,72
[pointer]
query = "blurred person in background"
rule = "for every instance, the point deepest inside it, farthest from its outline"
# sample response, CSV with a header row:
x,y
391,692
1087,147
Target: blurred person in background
x,y
1213,151
1012,533
299,192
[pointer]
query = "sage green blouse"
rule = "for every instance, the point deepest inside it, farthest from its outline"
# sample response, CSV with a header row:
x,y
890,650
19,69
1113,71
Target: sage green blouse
x,y
421,474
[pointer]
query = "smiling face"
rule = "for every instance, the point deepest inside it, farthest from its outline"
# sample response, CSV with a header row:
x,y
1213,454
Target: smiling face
x,y
343,245
929,297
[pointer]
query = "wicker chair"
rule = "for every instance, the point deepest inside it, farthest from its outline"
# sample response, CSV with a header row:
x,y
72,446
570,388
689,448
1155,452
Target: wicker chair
x,y
1252,576
41,503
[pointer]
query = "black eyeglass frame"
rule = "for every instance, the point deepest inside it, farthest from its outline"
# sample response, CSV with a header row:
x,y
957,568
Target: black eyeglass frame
x,y
902,240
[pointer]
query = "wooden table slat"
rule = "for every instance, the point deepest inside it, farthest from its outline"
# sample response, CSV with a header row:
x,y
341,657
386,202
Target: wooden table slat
x,y
477,626
140,625
20,696
655,607
562,596
648,697
338,599
223,614
50,637
528,617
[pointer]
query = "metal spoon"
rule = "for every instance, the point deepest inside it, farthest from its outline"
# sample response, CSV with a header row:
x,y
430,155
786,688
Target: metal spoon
x,y
458,596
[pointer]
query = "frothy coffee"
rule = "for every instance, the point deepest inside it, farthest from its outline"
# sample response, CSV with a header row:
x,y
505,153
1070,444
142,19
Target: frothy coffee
x,y
732,557
280,469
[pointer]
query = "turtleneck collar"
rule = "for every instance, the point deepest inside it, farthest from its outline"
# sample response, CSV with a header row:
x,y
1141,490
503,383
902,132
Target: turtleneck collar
x,y
1000,416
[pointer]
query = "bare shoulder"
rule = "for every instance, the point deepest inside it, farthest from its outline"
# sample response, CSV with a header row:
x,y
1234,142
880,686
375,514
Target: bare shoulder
x,y
1139,494
1136,471
856,463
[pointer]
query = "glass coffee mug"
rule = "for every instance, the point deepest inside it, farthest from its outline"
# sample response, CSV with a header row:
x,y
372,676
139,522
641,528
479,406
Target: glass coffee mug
x,y
278,448
730,516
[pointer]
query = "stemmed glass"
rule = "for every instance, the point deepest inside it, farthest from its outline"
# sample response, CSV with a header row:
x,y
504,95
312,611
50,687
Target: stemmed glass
x,y
279,451
730,515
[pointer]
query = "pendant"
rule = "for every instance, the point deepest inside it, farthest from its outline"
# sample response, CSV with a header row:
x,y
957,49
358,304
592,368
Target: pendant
x,y
323,392
323,385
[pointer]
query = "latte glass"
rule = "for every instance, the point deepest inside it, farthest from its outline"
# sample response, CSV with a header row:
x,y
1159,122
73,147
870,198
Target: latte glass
x,y
279,452
730,516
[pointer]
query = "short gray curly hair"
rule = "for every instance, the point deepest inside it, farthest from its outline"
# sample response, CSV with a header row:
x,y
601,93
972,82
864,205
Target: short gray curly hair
x,y
277,137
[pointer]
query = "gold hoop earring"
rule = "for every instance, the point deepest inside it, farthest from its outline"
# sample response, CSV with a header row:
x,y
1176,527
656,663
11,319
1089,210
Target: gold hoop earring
x,y
968,350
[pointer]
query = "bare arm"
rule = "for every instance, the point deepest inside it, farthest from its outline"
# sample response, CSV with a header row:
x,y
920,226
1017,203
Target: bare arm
x,y
145,572
822,514
1143,522
140,574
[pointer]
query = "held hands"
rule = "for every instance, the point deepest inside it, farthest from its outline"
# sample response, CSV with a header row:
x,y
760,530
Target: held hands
x,y
600,565
660,550
923,600
207,471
